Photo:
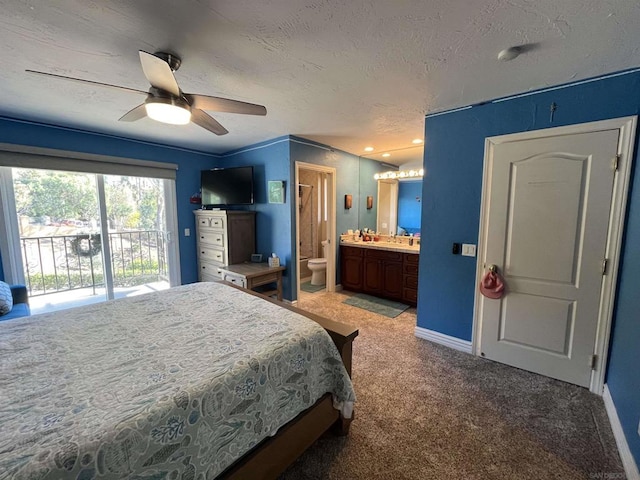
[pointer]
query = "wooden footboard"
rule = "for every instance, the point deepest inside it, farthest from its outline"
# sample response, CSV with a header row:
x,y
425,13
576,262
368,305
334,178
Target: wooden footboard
x,y
275,454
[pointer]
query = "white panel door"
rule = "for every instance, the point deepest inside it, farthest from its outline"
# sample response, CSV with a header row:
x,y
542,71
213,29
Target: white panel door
x,y
548,219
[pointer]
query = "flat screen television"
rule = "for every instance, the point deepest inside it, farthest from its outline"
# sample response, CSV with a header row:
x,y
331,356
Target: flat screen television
x,y
222,187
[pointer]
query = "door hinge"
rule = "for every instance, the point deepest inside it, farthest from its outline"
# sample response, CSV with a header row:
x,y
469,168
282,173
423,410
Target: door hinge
x,y
615,162
605,263
593,361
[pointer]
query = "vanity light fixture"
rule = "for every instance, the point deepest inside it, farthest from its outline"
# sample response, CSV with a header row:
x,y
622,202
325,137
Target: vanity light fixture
x,y
393,174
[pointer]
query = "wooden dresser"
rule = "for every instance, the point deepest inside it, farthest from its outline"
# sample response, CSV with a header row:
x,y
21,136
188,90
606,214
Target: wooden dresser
x,y
224,237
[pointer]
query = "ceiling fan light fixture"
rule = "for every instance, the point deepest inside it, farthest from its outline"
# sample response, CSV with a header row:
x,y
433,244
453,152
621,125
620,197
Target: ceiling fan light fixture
x,y
168,110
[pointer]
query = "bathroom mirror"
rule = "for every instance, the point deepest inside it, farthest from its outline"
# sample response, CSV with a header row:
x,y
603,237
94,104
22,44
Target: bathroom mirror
x,y
398,202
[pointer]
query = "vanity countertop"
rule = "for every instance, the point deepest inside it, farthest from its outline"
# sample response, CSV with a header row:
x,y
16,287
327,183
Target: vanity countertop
x,y
383,245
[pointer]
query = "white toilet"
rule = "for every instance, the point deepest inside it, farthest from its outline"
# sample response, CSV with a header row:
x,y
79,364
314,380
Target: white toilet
x,y
318,267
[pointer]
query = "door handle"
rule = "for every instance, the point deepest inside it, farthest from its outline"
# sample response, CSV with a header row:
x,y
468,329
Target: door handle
x,y
493,268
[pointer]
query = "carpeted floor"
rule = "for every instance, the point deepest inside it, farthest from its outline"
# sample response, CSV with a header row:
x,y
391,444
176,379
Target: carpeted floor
x,y
425,411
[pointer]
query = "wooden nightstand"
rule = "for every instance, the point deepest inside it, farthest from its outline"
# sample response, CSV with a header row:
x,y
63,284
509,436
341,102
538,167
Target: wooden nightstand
x,y
252,275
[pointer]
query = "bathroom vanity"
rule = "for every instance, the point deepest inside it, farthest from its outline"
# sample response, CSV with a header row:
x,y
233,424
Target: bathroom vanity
x,y
383,269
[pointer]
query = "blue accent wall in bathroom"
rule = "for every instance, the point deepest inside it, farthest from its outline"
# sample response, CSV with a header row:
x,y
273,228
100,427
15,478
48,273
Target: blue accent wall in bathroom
x,y
453,159
187,178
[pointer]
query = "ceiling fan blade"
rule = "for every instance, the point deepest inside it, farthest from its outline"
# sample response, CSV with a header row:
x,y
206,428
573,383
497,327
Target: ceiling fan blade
x,y
217,104
159,73
91,82
206,121
134,114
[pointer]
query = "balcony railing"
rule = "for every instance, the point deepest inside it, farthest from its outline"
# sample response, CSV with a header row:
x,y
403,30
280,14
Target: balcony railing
x,y
69,262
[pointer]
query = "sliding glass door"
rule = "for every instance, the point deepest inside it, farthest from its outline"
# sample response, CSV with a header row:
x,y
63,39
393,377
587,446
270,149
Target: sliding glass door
x,y
85,238
137,232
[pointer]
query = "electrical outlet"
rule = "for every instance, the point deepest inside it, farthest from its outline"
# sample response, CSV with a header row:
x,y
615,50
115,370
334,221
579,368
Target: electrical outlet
x,y
455,249
187,232
468,250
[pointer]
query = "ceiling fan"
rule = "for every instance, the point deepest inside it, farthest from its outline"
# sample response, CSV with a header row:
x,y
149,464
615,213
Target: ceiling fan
x,y
165,101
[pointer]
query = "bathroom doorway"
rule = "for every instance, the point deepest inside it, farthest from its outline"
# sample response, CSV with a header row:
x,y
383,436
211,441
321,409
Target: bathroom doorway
x,y
315,227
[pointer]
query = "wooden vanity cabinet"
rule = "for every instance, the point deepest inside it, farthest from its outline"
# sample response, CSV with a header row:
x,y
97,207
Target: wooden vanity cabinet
x,y
383,273
351,268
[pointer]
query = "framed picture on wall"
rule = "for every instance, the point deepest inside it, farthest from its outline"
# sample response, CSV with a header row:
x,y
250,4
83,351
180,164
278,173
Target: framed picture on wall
x,y
276,191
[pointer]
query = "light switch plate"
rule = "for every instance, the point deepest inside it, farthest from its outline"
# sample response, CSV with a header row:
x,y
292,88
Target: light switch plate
x,y
468,250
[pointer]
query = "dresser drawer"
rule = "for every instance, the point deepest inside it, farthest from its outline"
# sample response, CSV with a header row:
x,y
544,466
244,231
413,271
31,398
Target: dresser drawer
x,y
239,280
211,255
384,255
265,279
411,281
211,222
212,237
410,268
410,295
413,258
209,272
351,251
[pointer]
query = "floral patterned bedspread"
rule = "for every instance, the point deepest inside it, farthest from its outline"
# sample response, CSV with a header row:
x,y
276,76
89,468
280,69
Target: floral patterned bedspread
x,y
170,385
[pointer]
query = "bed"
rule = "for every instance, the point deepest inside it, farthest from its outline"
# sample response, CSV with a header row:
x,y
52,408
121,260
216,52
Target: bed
x,y
198,382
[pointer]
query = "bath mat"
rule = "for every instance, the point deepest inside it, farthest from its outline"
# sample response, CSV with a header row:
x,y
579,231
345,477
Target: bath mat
x,y
307,287
388,308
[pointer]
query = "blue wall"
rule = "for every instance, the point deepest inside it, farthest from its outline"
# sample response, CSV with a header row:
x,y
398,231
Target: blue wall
x,y
270,161
453,159
410,205
275,160
368,186
187,179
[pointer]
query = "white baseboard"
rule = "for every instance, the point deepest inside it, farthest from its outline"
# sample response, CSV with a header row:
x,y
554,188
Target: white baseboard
x,y
630,467
293,303
442,339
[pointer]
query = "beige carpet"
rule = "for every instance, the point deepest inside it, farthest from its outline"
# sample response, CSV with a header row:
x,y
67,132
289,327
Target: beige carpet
x,y
425,411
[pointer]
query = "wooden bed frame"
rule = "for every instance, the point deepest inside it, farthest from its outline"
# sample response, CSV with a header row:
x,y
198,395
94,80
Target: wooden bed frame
x,y
273,455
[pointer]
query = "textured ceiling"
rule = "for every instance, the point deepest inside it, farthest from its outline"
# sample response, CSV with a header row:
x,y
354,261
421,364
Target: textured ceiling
x,y
345,73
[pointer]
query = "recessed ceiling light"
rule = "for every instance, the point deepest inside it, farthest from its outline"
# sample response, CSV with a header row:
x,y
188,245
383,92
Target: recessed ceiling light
x,y
368,149
417,141
385,155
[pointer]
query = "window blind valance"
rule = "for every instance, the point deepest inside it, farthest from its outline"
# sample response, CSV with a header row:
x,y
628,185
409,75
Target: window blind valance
x,y
21,156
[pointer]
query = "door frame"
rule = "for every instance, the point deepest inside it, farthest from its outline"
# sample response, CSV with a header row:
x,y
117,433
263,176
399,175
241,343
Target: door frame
x,y
627,127
331,227
393,203
9,240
